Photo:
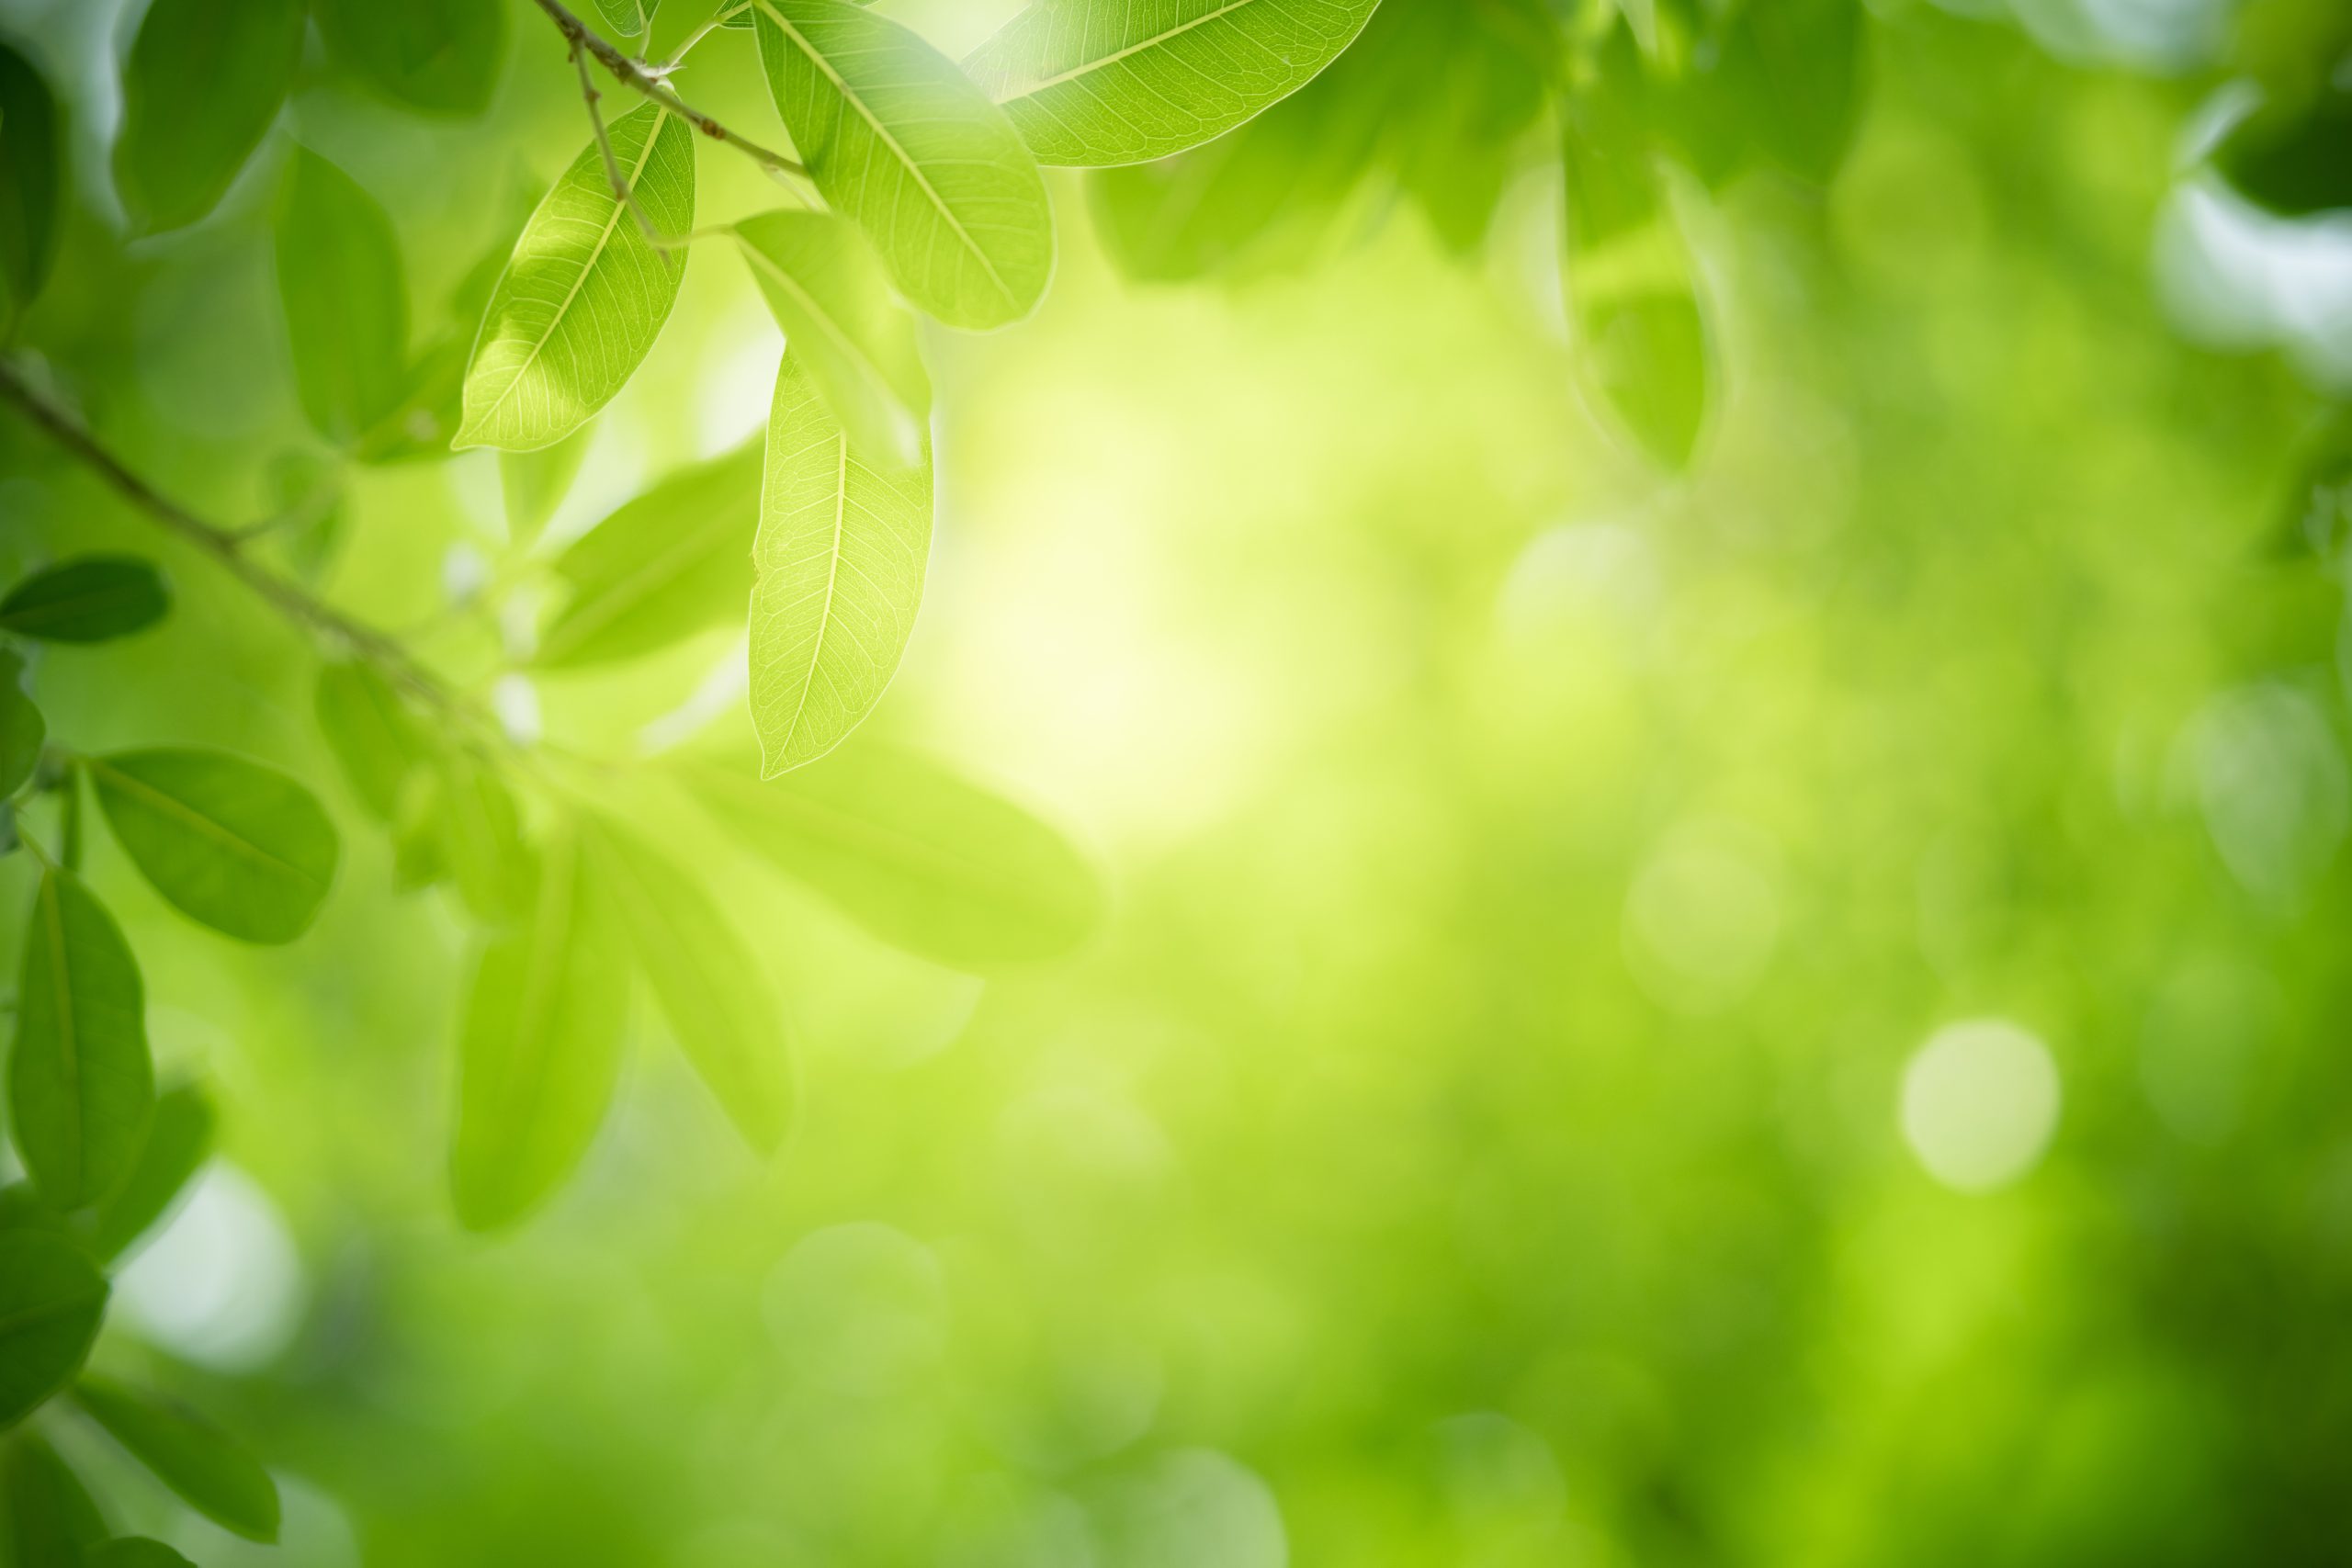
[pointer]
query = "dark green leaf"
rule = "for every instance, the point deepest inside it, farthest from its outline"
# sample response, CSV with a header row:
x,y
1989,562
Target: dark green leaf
x,y
178,1138
371,732
212,1474
437,56
88,599
842,325
80,1083
23,1209
133,1551
203,83
52,1298
22,729
239,846
2295,158
46,1519
345,297
32,165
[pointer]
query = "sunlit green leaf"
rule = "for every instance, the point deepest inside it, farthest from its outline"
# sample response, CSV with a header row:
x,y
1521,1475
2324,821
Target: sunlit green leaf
x,y
234,844
52,1298
31,175
419,857
437,56
371,732
179,1137
1095,83
903,145
585,294
22,729
673,562
345,299
133,1551
88,599
80,1084
46,1519
211,1474
840,557
479,832
533,484
627,17
917,855
711,987
841,322
203,82
539,1050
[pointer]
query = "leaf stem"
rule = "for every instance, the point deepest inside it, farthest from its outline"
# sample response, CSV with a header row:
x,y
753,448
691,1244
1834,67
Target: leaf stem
x,y
613,176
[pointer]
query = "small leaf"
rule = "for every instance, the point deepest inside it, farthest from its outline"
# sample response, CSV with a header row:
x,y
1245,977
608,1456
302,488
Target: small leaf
x,y
52,1298
22,729
533,484
2294,158
32,167
133,1551
231,843
539,1052
419,859
673,562
710,985
211,1473
371,732
46,1519
203,82
840,555
584,294
80,1084
902,145
179,1137
440,57
1095,83
841,322
88,599
345,297
916,855
481,833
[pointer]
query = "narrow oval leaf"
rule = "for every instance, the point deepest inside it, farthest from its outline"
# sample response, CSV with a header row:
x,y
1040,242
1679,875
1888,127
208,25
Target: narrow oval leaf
x,y
676,559
840,560
584,294
80,1083
32,170
88,599
918,856
210,1472
841,322
203,82
711,986
1096,82
479,829
22,729
230,843
46,1519
179,1137
371,732
539,1050
902,145
52,1298
438,57
345,299
133,1551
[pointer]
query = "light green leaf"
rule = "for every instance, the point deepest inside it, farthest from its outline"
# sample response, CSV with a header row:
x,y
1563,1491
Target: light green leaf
x,y
902,145
179,1137
88,599
918,856
710,985
22,729
479,830
533,484
584,294
419,858
239,846
841,322
1796,67
1096,82
32,175
345,299
80,1084
46,1519
840,559
673,562
371,732
203,82
211,1474
435,56
627,17
52,1298
539,1053
133,1551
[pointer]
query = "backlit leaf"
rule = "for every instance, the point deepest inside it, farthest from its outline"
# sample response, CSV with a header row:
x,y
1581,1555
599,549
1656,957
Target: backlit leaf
x,y
80,1083
627,17
437,56
32,170
585,294
840,557
902,145
345,299
52,1298
239,846
179,1137
211,1474
203,82
88,599
22,729
841,322
371,732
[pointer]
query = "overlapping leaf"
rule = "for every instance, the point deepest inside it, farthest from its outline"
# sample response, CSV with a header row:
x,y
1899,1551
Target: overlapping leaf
x,y
211,1474
31,175
855,342
50,1303
22,729
371,732
179,1137
435,56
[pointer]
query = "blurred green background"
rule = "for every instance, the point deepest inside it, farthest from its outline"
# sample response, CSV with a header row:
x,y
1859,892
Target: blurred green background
x,y
1789,1015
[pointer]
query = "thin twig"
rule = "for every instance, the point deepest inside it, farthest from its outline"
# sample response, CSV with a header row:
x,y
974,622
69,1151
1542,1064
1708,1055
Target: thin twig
x,y
622,193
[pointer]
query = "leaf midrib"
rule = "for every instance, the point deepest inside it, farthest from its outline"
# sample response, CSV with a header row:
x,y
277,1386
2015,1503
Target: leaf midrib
x,y
1155,41
173,805
832,328
579,627
832,584
68,1036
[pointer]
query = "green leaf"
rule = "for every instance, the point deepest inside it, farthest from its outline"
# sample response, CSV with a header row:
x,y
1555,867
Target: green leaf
x,y
69,814
22,729
52,1298
1795,67
584,294
902,145
918,856
2294,158
88,599
345,299
673,562
710,985
133,1551
179,1138
533,484
46,1519
80,1084
539,1052
840,559
1095,83
854,339
238,846
308,530
479,831
627,17
22,1209
32,170
371,732
419,858
440,57
203,82
211,1473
